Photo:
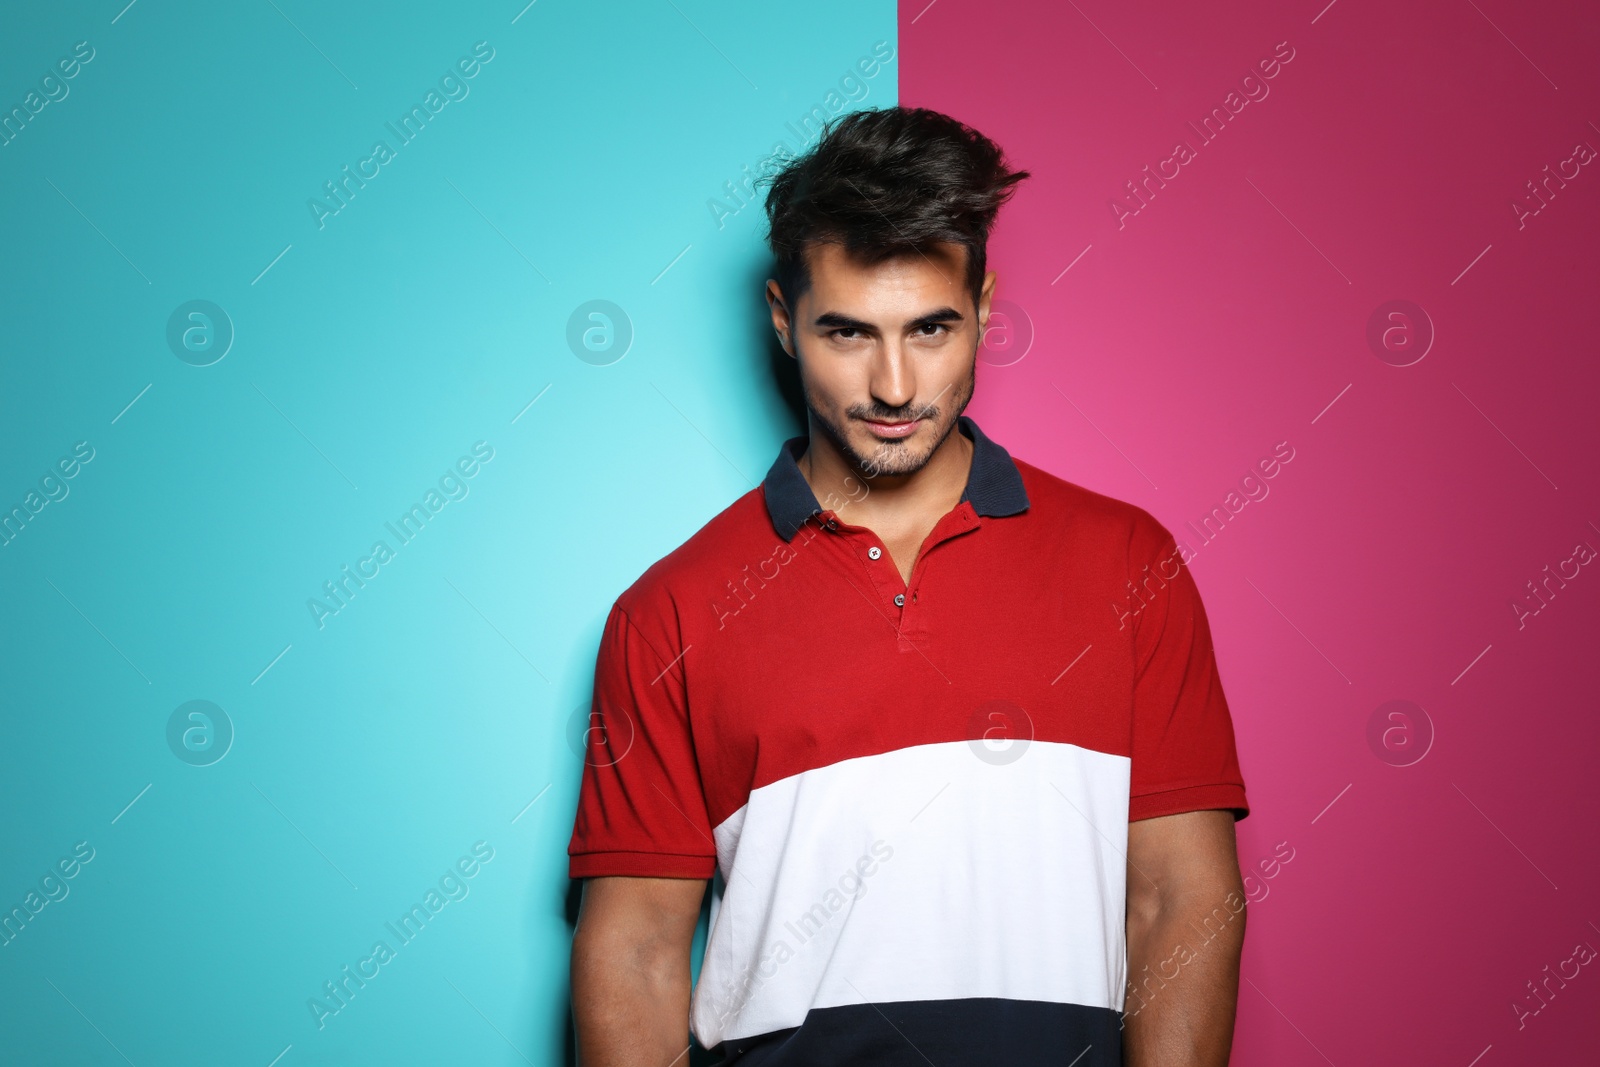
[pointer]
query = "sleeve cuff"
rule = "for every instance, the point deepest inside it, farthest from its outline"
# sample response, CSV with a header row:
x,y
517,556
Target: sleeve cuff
x,y
1227,795
640,864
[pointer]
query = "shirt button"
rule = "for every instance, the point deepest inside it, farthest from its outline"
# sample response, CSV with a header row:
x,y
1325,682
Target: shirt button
x,y
899,600
874,552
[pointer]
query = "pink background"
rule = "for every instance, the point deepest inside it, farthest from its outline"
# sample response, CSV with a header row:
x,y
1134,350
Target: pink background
x,y
1229,314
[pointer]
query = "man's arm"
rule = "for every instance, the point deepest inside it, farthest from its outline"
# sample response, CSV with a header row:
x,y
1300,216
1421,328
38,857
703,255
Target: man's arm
x,y
1186,914
630,970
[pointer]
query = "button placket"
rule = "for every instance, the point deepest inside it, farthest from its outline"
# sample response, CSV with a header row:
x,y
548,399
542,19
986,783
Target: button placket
x,y
963,519
960,521
875,553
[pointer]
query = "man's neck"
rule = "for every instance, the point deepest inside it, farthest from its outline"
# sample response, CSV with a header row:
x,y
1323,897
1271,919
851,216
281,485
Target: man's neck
x,y
889,505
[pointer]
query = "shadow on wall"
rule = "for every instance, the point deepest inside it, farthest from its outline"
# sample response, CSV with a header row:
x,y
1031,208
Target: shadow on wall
x,y
785,372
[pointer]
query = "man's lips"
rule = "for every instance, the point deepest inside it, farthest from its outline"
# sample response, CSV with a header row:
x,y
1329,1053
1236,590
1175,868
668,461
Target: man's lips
x,y
894,429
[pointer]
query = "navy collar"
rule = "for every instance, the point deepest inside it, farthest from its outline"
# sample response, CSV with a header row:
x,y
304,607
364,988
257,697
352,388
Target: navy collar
x,y
994,485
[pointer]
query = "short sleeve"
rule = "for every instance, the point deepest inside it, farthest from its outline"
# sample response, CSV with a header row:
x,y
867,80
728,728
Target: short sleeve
x,y
1184,757
641,805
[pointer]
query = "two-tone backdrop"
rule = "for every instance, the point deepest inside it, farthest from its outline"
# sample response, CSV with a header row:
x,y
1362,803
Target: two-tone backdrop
x,y
356,357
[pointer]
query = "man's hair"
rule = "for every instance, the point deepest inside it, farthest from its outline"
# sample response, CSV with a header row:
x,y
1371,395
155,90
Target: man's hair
x,y
885,182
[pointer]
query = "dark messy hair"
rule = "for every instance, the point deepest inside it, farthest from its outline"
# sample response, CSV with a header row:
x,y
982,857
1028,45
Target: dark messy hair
x,y
884,182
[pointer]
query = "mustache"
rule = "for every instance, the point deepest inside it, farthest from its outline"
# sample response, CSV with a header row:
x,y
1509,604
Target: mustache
x,y
906,414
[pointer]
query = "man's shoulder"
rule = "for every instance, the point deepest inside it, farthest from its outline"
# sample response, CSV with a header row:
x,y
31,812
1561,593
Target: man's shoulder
x,y
1080,512
739,534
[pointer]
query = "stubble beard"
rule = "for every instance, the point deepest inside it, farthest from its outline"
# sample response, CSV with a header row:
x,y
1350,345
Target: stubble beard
x,y
894,457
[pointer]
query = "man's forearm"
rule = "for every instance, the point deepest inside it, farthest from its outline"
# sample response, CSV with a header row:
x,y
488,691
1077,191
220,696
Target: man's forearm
x,y
629,1012
1183,982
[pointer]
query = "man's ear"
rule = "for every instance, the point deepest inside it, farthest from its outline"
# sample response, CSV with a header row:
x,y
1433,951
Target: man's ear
x,y
782,322
985,298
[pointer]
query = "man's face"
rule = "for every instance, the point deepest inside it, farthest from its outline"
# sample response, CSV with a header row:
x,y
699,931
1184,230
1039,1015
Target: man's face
x,y
887,352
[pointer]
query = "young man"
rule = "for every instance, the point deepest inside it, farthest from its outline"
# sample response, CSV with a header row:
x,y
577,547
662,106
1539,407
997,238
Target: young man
x,y
946,729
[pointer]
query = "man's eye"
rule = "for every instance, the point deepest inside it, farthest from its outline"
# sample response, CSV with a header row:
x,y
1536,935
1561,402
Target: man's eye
x,y
847,333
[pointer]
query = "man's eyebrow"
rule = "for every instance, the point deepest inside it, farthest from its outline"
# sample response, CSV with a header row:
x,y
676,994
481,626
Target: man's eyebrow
x,y
835,321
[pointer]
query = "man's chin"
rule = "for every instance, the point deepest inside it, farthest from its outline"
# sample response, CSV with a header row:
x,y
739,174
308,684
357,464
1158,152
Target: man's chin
x,y
876,456
902,456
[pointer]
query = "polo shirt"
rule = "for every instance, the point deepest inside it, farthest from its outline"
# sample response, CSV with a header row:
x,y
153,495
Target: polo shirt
x,y
912,797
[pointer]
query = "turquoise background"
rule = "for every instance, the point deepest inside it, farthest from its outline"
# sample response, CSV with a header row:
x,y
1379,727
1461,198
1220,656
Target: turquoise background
x,y
436,708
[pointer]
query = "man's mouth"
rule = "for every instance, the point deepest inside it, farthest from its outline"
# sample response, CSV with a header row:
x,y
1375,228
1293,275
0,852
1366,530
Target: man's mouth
x,y
893,429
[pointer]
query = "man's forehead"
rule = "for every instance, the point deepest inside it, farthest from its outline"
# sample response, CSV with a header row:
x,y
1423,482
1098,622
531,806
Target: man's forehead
x,y
933,276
